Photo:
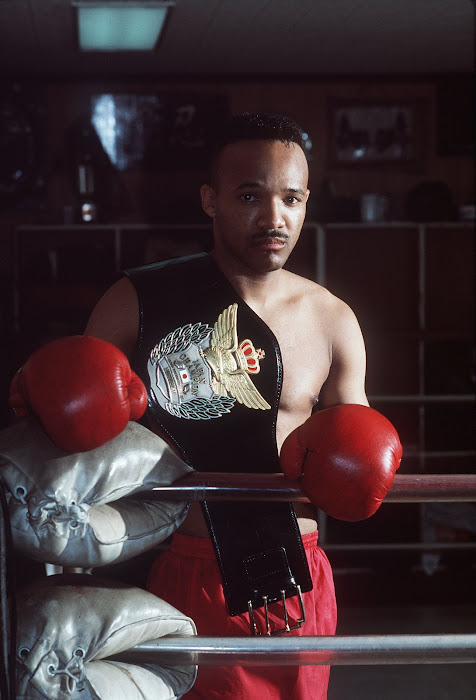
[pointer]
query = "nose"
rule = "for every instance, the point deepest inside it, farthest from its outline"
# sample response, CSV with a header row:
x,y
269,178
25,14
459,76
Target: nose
x,y
271,214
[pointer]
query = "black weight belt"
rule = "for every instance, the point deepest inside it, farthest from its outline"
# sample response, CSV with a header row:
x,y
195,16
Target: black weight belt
x,y
201,384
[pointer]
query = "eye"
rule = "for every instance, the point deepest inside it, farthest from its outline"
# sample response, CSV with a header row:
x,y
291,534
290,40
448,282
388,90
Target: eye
x,y
248,198
292,200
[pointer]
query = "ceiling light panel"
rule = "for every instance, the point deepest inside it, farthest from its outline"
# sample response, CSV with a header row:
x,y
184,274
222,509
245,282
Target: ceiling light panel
x,y
120,26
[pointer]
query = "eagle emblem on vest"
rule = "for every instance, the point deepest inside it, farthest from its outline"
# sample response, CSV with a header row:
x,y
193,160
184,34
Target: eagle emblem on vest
x,y
199,372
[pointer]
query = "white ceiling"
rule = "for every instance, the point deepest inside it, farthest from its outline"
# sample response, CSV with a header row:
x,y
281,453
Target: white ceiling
x,y
254,37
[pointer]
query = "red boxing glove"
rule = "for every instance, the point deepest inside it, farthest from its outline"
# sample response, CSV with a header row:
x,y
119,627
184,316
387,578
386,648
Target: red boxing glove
x,y
81,389
347,457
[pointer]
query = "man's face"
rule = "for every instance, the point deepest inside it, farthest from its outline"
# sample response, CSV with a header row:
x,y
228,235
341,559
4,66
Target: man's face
x,y
257,203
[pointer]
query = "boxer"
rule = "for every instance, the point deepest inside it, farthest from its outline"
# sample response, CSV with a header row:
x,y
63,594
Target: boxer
x,y
237,353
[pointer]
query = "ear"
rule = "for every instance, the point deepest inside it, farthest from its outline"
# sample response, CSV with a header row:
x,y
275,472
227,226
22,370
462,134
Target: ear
x,y
208,200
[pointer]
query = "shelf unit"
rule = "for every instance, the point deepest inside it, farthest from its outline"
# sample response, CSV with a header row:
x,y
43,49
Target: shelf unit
x,y
423,336
60,271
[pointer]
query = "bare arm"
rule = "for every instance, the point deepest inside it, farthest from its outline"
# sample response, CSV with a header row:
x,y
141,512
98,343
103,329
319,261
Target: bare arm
x,y
115,317
346,380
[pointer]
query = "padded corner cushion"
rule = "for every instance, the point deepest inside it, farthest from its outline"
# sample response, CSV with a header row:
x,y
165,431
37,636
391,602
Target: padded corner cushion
x,y
90,508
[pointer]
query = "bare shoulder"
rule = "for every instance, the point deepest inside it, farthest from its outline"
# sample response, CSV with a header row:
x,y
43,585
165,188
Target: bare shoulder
x,y
318,298
335,320
326,315
115,317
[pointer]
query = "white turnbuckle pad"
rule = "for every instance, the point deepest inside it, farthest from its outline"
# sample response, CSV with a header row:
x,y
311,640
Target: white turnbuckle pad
x,y
88,509
69,626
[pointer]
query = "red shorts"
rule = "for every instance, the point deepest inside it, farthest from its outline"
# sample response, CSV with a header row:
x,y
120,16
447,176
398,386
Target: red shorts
x,y
187,576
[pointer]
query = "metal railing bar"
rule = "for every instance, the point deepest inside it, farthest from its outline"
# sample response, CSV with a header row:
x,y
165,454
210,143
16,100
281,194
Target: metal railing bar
x,y
305,650
406,488
421,398
417,546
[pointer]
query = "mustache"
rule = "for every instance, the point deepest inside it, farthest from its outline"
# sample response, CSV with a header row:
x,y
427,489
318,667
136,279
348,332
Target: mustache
x,y
270,234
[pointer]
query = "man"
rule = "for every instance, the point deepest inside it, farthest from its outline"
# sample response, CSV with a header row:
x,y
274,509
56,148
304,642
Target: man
x,y
256,197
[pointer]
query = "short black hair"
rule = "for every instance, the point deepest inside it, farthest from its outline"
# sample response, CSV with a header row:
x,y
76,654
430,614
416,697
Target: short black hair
x,y
255,127
259,127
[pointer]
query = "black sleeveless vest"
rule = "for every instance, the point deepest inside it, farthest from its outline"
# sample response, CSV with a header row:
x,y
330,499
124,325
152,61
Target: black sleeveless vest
x,y
213,373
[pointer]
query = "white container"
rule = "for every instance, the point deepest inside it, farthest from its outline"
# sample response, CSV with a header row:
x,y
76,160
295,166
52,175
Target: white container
x,y
373,207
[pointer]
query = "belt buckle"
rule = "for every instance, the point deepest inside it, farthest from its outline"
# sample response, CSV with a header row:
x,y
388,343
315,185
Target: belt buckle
x,y
287,627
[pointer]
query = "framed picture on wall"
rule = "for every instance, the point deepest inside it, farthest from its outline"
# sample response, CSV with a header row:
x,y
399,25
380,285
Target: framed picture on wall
x,y
376,133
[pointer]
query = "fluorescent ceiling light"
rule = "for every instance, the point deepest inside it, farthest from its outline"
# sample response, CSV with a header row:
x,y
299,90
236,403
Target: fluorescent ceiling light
x,y
120,26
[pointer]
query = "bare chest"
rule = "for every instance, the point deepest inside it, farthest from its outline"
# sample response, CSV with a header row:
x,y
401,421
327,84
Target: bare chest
x,y
305,352
306,362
